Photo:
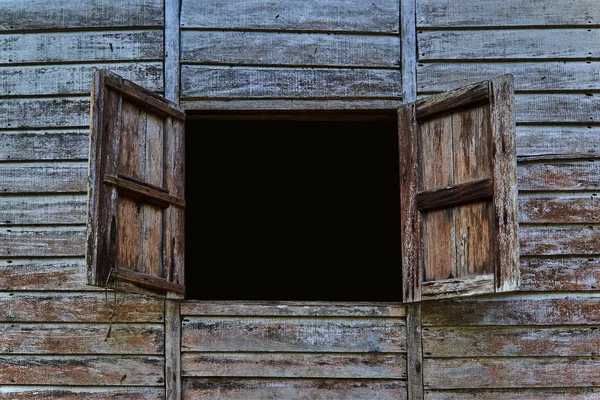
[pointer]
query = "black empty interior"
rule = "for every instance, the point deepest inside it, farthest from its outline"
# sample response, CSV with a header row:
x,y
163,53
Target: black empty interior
x,y
292,210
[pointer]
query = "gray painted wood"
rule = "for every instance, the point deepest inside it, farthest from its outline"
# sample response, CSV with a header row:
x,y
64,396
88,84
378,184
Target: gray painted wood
x,y
568,175
560,274
292,104
559,208
44,144
67,112
408,49
559,240
43,210
59,241
43,274
81,393
557,142
42,177
515,394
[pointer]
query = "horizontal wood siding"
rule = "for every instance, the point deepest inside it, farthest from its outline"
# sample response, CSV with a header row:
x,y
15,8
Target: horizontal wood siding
x,y
252,55
541,343
60,338
293,350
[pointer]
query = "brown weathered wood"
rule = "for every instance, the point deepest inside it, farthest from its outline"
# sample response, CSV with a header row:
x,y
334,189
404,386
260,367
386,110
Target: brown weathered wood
x,y
553,241
42,241
295,365
565,175
514,394
78,307
44,113
478,341
464,286
146,280
453,100
293,49
414,356
43,210
560,274
16,338
63,274
143,192
173,354
462,193
276,334
290,308
531,309
41,145
82,393
216,82
71,14
564,208
314,389
311,15
82,370
43,177
455,373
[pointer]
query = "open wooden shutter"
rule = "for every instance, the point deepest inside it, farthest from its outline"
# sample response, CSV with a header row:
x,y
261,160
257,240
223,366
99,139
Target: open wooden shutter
x,y
458,193
135,228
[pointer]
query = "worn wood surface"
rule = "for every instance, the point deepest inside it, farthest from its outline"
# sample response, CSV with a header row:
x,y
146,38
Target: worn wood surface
x,y
559,208
211,82
276,334
560,274
82,370
73,79
51,274
520,44
554,241
35,15
414,356
68,112
173,349
288,104
43,177
314,389
478,341
44,145
579,393
557,175
292,309
172,55
408,49
579,108
490,13
18,338
481,189
42,241
81,393
35,210
453,287
447,102
78,307
557,142
454,373
294,49
283,15
530,309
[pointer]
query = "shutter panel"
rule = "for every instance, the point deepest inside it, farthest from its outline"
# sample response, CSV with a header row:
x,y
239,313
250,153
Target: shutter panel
x,y
458,193
135,228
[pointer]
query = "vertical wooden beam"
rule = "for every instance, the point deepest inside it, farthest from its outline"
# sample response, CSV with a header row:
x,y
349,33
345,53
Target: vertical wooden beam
x,y
414,350
172,49
172,347
408,49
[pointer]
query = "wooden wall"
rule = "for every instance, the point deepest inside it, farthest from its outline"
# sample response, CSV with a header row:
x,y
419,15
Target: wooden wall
x,y
543,343
54,339
251,350
240,54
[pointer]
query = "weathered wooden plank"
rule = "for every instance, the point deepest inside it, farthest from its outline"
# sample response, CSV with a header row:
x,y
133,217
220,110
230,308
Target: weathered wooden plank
x,y
42,145
307,49
581,108
314,389
292,104
43,210
481,341
454,373
73,79
457,13
515,394
560,274
70,14
44,177
556,142
530,309
565,208
491,44
172,347
295,365
82,370
554,241
310,15
293,335
78,307
36,48
80,393
576,175
544,76
44,241
292,309
81,339
43,274
408,50
172,59
414,356
288,83
44,113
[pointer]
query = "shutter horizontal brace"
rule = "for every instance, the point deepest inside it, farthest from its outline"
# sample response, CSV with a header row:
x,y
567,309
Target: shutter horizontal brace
x,y
463,193
144,192
464,286
452,101
146,280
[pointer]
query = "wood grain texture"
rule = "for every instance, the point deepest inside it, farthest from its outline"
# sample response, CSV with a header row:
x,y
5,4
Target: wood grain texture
x,y
81,46
490,13
44,113
507,44
557,142
571,175
554,241
43,177
42,241
560,274
308,49
80,393
288,83
295,365
291,309
172,55
311,15
71,14
565,208
51,274
44,145
73,79
456,373
82,370
408,50
523,309
43,210
478,341
314,389
414,356
173,354
81,339
515,394
581,108
78,307
276,334
274,104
